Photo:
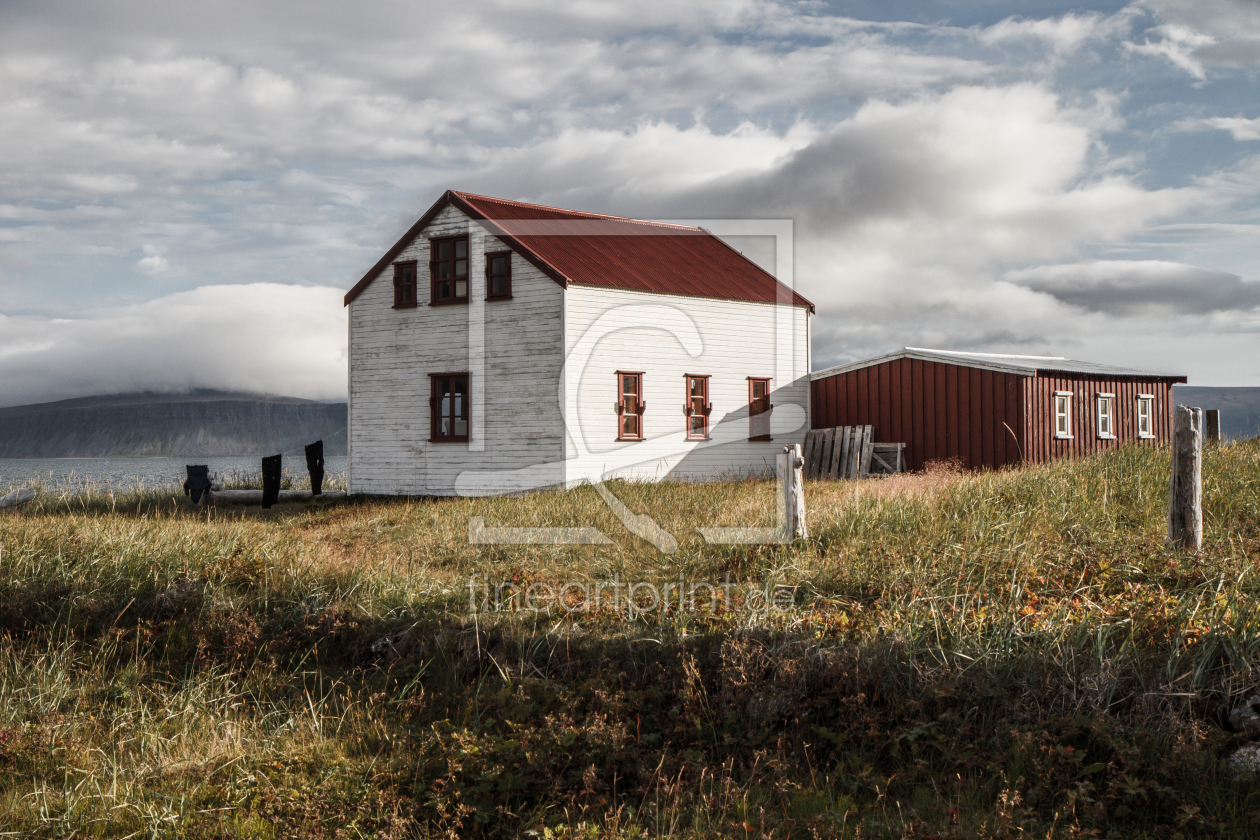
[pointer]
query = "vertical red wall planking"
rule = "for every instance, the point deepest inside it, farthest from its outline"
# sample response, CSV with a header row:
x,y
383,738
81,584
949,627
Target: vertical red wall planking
x,y
985,418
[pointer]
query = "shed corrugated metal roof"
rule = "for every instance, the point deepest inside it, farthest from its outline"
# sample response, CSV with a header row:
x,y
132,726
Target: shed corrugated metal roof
x,y
591,249
1002,362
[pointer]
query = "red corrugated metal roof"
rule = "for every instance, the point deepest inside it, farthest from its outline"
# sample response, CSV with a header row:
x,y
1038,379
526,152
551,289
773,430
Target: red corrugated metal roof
x,y
591,249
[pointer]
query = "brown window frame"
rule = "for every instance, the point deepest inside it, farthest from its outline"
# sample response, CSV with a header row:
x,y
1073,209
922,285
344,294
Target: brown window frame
x,y
691,409
434,263
402,285
435,409
506,294
752,402
620,406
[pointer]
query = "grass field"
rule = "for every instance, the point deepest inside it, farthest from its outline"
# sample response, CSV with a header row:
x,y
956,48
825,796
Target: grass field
x,y
996,655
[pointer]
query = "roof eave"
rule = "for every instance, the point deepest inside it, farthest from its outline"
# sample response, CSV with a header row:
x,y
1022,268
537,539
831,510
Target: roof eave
x,y
997,367
397,248
792,293
906,353
802,304
1135,375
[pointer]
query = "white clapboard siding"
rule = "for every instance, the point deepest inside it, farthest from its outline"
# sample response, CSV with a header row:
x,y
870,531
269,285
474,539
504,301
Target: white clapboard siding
x,y
393,351
666,337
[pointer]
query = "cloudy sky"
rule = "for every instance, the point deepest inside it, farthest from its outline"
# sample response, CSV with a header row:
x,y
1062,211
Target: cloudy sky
x,y
187,189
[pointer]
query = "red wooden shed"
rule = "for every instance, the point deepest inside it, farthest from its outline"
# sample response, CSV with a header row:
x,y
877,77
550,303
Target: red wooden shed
x,y
991,410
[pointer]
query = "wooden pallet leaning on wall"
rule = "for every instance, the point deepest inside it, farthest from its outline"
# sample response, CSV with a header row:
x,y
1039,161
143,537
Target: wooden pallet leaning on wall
x,y
850,452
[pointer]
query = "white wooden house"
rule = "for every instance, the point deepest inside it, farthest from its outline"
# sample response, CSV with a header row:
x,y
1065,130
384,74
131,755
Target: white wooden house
x,y
501,346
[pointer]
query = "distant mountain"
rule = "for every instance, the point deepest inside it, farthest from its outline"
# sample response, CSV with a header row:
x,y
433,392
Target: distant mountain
x,y
202,423
1239,407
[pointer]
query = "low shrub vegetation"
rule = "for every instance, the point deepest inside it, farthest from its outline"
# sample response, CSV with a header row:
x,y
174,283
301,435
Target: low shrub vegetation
x,y
947,655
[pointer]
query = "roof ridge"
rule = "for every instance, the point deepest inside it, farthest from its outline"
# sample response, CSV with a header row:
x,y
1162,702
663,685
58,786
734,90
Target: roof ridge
x,y
580,213
601,255
986,355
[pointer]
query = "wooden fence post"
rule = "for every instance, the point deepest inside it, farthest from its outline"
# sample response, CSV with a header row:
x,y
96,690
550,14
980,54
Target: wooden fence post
x,y
1212,424
1185,484
791,469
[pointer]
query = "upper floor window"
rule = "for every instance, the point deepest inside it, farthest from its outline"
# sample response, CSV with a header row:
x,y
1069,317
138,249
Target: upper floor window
x,y
1106,422
1146,415
499,275
1063,414
448,267
448,404
697,407
630,405
759,408
405,284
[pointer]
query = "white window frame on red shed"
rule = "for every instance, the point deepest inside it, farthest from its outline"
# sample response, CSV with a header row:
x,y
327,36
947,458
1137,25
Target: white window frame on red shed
x,y
1063,415
1105,408
1146,416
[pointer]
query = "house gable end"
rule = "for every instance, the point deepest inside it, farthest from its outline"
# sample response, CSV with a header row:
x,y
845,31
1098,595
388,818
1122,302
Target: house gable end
x,y
450,198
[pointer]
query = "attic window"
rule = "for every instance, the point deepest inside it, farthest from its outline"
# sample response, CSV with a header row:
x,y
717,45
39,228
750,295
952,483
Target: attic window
x,y
1063,414
1106,420
405,284
499,275
448,267
1146,415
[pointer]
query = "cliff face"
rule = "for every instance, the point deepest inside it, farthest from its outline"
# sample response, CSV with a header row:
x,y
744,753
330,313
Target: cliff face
x,y
201,423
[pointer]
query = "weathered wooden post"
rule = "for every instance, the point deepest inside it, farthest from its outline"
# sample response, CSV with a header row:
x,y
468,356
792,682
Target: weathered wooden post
x,y
792,473
271,480
17,497
1212,424
315,465
1185,484
198,481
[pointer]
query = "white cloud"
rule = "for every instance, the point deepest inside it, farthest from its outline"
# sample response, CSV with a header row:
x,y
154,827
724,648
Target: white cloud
x,y
237,141
1198,33
905,212
153,262
1179,45
1065,34
1141,287
263,337
1240,128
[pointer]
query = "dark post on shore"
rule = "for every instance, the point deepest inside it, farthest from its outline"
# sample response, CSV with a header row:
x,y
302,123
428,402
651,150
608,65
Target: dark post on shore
x,y
1185,485
315,465
271,480
1212,427
198,481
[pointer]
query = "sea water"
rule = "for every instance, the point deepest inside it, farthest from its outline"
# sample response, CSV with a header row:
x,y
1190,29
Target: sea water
x,y
128,473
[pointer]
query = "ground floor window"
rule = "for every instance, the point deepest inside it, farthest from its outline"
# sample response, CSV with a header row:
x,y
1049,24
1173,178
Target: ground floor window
x,y
697,406
1063,414
759,408
630,405
1106,423
1146,415
448,401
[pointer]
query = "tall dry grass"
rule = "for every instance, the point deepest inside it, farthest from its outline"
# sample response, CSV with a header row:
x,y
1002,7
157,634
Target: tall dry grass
x,y
966,655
